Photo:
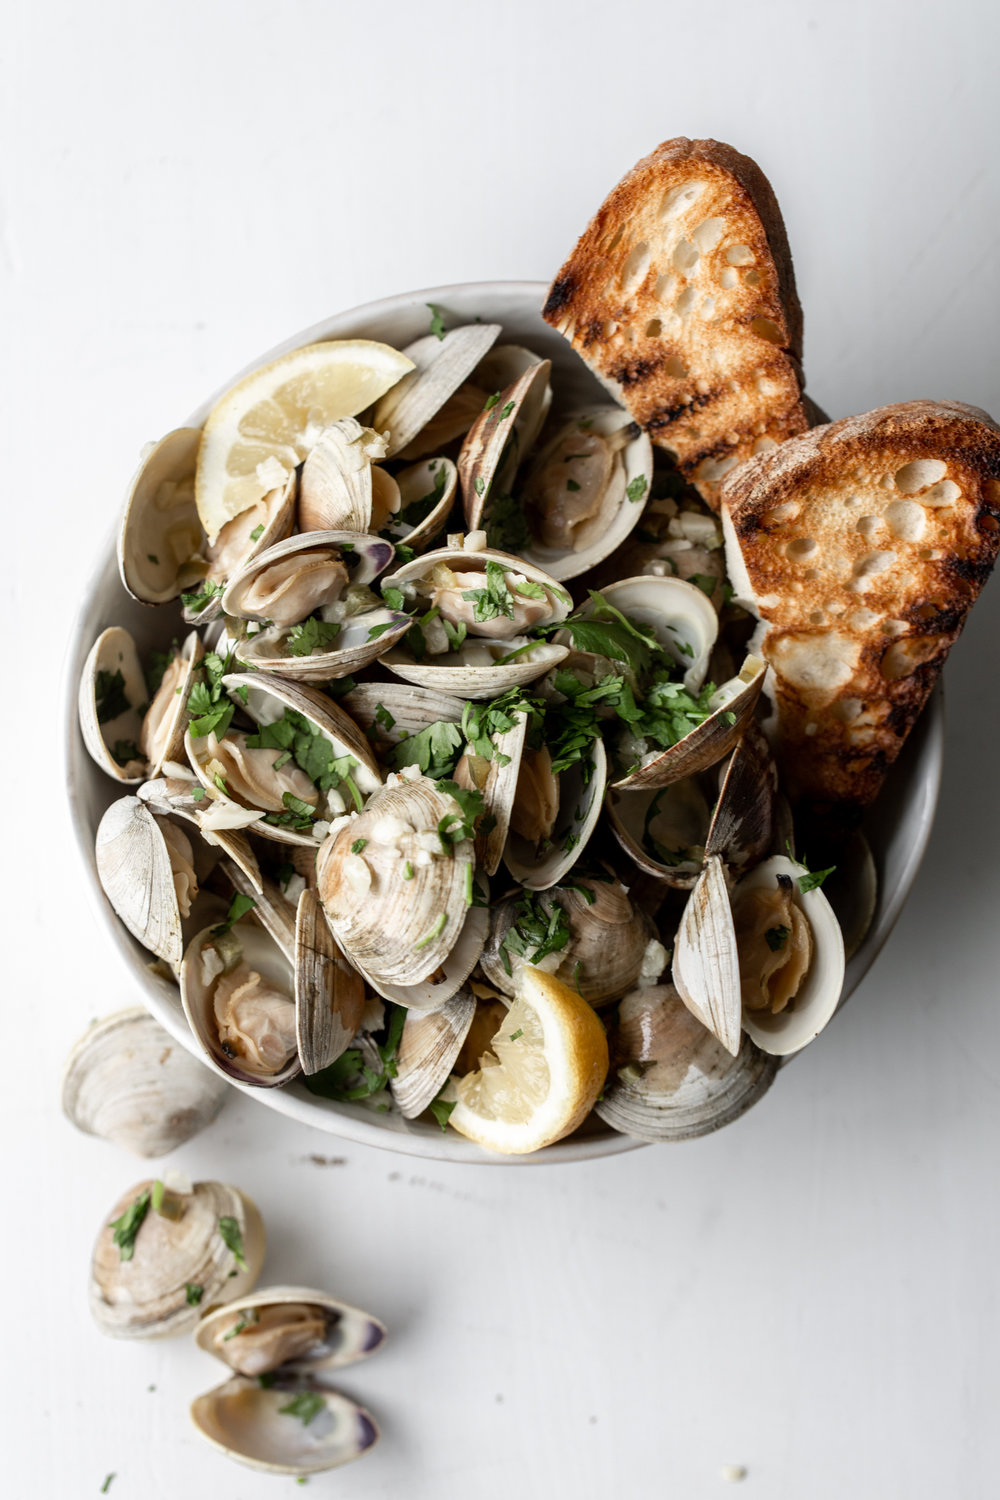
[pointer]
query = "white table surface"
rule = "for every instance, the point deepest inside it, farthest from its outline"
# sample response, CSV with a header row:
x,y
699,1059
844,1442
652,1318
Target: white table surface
x,y
812,1293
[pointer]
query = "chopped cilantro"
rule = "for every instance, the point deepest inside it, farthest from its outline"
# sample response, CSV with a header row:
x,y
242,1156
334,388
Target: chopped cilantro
x,y
351,1078
506,525
128,1225
126,750
197,602
359,845
311,637
535,931
418,510
257,533
407,871
493,600
152,557
232,1238
435,750
441,1109
776,937
404,554
491,401
516,1035
156,666
705,582
193,1292
460,825
238,907
637,488
437,320
107,1483
433,932
312,752
814,879
505,411
109,694
245,1321
383,716
572,486
394,598
307,1404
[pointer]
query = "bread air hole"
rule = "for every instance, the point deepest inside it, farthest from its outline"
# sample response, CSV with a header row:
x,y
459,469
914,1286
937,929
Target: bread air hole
x,y
708,234
919,474
801,548
904,657
684,302
635,268
728,278
679,199
945,493
615,240
752,277
906,520
654,328
868,525
739,255
675,367
765,328
665,287
684,258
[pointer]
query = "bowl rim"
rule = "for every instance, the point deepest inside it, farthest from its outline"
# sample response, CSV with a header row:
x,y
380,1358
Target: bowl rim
x,y
295,1102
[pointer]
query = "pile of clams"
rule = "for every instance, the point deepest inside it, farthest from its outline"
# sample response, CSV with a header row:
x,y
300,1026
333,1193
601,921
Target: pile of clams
x,y
462,691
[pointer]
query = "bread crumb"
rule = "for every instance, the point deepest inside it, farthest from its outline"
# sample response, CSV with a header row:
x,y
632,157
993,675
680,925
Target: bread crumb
x,y
733,1472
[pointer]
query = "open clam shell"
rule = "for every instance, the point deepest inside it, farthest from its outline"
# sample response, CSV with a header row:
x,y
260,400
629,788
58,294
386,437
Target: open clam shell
x,y
567,467
267,699
671,1080
147,1295
426,496
172,796
667,830
819,994
395,892
427,1051
677,613
499,439
733,706
609,938
441,367
127,1081
144,864
160,531
295,1326
363,636
261,1426
707,960
341,485
438,581
111,702
162,735
581,796
213,957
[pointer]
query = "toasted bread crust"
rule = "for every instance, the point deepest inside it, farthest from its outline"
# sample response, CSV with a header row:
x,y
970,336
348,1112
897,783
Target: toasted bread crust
x,y
862,545
681,297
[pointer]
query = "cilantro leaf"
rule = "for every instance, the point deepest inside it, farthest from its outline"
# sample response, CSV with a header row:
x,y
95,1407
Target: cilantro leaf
x,y
238,907
198,601
232,1238
128,1225
493,600
776,937
506,525
535,930
193,1292
434,751
442,1109
704,581
126,750
311,637
437,320
637,488
350,1078
307,1404
109,693
814,879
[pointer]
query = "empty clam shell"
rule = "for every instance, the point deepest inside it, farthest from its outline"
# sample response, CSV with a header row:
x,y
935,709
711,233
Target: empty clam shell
x,y
499,439
706,962
329,994
426,496
670,1079
341,485
111,704
242,975
177,1264
127,1081
162,735
295,1426
581,796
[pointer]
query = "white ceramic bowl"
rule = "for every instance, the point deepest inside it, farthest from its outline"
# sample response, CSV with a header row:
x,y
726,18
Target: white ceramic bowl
x,y
898,827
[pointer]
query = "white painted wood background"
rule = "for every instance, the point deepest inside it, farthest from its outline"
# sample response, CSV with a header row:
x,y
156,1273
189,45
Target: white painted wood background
x,y
812,1293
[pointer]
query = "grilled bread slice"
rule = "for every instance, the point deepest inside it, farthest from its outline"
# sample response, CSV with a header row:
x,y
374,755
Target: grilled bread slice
x,y
680,296
861,547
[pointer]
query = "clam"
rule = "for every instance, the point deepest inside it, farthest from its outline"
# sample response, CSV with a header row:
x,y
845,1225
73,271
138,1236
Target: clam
x,y
675,542
276,1412
769,959
428,1049
474,606
600,946
666,830
238,993
342,486
583,493
127,1081
677,614
329,993
441,368
540,862
670,1079
160,530
150,1273
145,864
498,442
112,701
320,620
397,881
172,795
426,496
161,737
259,785
434,992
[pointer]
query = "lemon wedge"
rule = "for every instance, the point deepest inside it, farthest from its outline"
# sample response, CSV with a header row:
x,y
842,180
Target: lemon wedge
x,y
542,1076
266,424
